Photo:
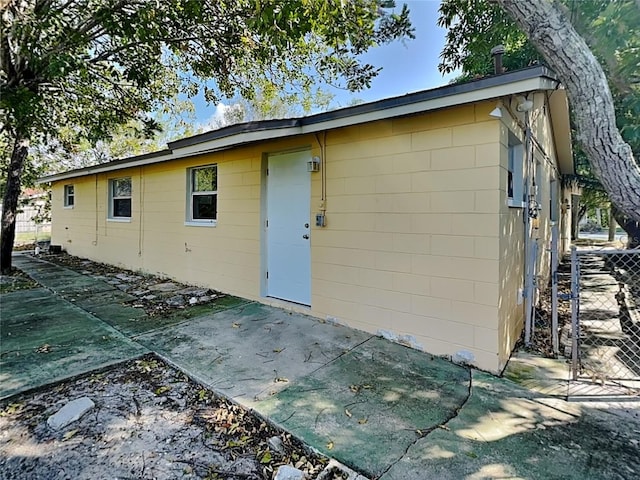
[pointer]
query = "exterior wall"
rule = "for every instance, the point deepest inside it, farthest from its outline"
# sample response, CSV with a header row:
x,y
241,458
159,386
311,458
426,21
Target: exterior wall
x,y
542,169
420,245
411,244
157,240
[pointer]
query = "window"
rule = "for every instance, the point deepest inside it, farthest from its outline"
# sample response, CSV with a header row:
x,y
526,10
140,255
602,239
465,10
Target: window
x,y
203,194
120,198
515,176
69,196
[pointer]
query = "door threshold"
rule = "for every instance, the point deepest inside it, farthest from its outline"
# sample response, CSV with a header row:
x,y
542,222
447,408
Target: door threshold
x,y
287,304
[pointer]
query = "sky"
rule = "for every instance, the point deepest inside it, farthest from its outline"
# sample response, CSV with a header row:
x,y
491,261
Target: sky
x,y
407,66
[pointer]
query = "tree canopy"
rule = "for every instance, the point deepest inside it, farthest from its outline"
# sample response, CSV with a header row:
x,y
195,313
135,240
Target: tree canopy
x,y
74,70
94,63
545,32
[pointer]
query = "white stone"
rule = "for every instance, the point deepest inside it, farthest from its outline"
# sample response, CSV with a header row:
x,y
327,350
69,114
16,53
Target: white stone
x,y
336,469
276,445
287,472
70,413
193,301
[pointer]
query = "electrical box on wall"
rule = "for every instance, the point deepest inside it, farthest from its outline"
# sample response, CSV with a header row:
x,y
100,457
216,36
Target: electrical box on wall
x,y
320,220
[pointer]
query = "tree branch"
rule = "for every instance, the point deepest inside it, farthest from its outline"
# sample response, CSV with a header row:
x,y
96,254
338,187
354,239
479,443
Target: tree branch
x,y
588,90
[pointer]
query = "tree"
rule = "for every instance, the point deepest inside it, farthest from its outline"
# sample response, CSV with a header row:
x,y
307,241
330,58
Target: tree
x,y
612,29
270,102
175,119
91,65
569,56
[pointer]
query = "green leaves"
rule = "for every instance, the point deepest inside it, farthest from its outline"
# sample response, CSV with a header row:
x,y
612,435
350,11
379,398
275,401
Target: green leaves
x,y
474,28
95,64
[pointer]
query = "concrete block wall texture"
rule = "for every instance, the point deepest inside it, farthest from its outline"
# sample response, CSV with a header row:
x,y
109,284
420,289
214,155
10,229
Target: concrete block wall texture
x,y
512,234
419,242
415,204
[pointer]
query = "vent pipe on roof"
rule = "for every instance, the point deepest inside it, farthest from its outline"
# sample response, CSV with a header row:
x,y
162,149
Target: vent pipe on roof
x,y
496,54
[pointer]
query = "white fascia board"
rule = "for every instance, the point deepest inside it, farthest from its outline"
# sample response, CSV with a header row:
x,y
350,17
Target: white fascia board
x,y
224,143
432,104
528,85
235,140
106,167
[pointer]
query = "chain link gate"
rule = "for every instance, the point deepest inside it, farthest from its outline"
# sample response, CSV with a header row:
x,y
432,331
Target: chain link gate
x,y
605,323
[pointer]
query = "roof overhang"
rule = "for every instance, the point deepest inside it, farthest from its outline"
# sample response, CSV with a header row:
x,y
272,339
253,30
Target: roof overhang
x,y
527,80
561,125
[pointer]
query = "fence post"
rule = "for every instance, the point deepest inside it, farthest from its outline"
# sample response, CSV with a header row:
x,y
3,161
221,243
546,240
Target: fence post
x,y
554,289
575,279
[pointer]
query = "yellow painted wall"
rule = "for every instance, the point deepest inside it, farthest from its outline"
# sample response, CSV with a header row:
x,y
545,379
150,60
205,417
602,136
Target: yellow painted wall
x,y
411,246
512,238
157,240
419,244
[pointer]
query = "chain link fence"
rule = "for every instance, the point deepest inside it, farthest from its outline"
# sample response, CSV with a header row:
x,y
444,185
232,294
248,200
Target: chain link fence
x,y
605,333
29,226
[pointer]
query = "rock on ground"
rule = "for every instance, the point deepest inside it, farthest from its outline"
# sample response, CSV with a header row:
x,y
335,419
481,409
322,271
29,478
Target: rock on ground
x,y
287,472
71,412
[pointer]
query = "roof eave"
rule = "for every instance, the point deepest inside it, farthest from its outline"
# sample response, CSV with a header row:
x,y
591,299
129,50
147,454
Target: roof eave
x,y
559,111
533,79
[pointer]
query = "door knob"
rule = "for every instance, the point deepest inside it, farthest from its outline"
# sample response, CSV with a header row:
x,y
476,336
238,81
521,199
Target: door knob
x,y
306,237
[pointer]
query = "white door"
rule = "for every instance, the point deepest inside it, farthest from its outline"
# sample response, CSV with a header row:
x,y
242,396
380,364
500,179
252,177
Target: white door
x,y
288,244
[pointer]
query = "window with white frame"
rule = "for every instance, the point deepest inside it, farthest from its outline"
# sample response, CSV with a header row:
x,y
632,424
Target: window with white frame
x,y
515,175
69,196
203,194
120,198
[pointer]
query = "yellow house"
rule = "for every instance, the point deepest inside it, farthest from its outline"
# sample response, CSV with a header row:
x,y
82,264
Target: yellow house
x,y
424,218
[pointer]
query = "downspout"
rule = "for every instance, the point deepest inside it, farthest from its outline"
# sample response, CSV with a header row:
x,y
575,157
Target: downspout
x,y
141,216
530,244
95,239
528,267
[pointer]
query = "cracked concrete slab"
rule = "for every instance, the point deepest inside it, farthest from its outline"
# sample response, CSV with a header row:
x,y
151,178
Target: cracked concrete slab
x,y
370,405
44,339
252,351
504,431
378,407
107,302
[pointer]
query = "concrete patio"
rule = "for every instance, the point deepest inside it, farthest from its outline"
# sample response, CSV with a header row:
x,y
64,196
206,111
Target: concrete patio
x,y
383,409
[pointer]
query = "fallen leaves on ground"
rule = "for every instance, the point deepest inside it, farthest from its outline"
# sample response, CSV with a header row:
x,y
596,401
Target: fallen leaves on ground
x,y
169,424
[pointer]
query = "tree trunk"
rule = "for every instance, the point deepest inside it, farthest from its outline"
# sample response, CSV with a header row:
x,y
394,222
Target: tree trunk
x,y
630,226
10,202
612,226
577,68
577,216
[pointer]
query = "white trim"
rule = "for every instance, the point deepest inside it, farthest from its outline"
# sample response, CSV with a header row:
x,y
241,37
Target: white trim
x,y
66,195
68,207
111,198
224,143
211,223
511,203
191,194
119,219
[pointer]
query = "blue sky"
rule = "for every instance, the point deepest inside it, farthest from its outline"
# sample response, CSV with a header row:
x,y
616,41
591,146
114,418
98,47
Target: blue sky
x,y
407,66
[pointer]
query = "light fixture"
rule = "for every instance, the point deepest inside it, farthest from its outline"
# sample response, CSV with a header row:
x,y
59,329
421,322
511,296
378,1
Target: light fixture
x,y
496,112
313,165
524,105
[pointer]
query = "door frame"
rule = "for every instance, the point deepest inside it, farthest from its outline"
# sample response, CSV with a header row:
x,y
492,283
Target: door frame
x,y
264,164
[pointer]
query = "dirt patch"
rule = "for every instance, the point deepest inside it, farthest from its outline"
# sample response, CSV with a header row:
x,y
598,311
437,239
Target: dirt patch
x,y
157,295
149,421
18,280
541,340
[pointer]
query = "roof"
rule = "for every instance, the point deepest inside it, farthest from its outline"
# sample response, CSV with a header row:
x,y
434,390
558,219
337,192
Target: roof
x,y
538,78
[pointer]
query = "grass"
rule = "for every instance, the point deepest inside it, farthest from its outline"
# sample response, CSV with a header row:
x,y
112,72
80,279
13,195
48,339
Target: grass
x,y
27,238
